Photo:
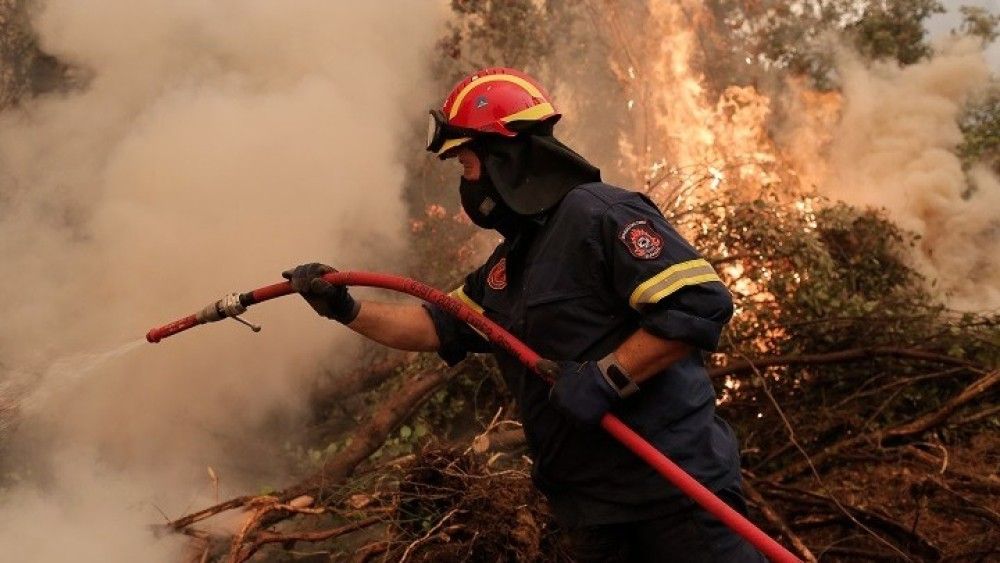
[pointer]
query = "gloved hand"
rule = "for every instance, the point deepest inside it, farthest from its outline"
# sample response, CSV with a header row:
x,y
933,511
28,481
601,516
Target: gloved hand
x,y
582,393
330,301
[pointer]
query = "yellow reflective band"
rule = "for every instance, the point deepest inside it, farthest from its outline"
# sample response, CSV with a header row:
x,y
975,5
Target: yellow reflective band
x,y
536,112
461,296
692,272
535,92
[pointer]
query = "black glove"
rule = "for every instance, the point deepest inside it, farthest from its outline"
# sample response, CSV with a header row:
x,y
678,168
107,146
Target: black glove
x,y
582,393
330,301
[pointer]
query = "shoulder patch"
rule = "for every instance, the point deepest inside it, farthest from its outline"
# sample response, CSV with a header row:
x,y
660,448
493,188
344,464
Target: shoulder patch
x,y
497,278
641,240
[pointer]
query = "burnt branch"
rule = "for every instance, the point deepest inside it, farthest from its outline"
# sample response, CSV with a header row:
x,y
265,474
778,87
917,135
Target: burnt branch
x,y
915,427
844,356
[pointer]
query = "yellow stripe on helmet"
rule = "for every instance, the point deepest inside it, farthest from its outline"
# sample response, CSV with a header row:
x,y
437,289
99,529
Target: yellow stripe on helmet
x,y
535,112
531,89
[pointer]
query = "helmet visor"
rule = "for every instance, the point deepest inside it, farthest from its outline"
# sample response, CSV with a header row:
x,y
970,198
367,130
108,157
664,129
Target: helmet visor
x,y
439,131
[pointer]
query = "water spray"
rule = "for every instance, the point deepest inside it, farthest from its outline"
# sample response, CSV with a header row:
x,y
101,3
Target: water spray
x,y
235,304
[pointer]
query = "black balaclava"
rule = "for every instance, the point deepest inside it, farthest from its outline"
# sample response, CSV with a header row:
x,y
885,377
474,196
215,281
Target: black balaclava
x,y
521,178
485,207
483,203
533,171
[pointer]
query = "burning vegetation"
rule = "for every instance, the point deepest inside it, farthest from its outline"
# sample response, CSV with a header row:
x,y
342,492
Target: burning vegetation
x,y
839,172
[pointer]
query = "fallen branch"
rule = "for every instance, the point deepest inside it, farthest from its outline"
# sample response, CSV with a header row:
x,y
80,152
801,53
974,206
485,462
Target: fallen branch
x,y
911,539
330,391
914,427
844,356
972,481
856,554
777,521
194,517
365,441
265,537
368,438
971,505
499,440
932,419
977,416
428,536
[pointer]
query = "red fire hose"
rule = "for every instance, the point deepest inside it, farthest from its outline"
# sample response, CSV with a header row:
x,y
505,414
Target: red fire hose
x,y
235,304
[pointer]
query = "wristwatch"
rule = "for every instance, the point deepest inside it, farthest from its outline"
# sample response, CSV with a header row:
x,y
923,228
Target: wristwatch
x,y
616,376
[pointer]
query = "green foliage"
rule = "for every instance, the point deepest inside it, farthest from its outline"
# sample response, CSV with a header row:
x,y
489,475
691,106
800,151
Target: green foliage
x,y
484,33
894,29
979,22
796,36
980,123
25,70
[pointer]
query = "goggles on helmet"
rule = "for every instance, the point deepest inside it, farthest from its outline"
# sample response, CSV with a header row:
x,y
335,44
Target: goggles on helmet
x,y
439,131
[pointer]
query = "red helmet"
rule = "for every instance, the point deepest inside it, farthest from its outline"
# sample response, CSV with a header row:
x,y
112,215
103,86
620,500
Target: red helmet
x,y
489,101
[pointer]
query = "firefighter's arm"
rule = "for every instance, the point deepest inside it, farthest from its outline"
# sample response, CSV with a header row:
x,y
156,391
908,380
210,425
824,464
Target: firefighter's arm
x,y
644,354
397,325
402,326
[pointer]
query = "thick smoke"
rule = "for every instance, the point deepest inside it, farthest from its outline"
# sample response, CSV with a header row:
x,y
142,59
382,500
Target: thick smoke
x,y
215,144
895,148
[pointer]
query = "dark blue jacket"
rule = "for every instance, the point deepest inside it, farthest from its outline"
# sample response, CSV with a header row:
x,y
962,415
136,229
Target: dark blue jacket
x,y
599,266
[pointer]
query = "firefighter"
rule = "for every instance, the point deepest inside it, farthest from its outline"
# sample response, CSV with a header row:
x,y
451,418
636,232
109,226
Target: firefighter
x,y
594,277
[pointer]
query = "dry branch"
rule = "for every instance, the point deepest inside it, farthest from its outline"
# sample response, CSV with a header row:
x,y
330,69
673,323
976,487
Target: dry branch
x,y
843,356
194,517
914,427
932,419
989,484
772,516
329,391
904,535
366,440
393,411
265,537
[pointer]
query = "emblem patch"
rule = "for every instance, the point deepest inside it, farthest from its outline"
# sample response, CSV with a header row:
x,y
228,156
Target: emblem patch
x,y
641,240
497,279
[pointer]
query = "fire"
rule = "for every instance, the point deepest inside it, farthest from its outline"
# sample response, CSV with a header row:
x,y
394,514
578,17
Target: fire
x,y
687,142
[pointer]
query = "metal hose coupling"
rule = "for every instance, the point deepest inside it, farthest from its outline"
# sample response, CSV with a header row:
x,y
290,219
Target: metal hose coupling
x,y
228,306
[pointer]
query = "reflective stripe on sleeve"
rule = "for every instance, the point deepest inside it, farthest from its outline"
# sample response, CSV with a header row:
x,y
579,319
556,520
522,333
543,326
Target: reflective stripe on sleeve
x,y
692,272
461,296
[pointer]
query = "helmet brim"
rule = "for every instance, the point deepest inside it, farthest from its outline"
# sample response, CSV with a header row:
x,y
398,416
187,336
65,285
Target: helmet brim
x,y
450,146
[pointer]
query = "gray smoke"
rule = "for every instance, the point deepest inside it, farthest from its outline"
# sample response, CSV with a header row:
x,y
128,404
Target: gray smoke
x,y
895,148
216,144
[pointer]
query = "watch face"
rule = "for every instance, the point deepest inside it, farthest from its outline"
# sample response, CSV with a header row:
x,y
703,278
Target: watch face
x,y
620,380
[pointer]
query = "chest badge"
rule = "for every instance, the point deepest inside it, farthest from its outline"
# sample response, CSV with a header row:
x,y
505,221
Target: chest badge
x,y
497,278
641,240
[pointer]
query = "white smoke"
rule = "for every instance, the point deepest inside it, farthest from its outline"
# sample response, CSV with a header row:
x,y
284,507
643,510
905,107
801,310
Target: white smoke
x,y
215,144
894,148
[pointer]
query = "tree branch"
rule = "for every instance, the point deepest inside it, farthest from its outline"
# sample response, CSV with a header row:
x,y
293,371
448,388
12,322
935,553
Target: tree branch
x,y
914,427
935,418
265,537
370,437
902,534
777,521
365,441
843,356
